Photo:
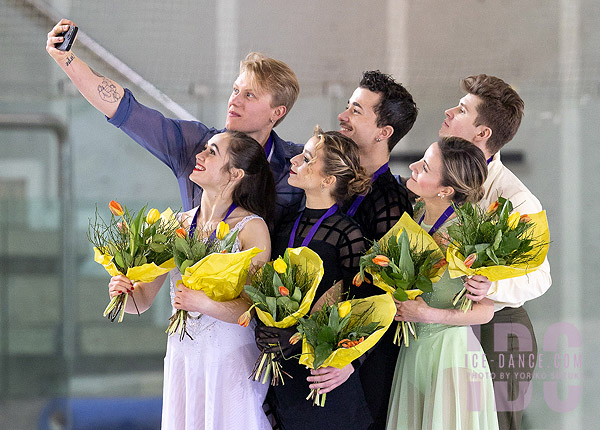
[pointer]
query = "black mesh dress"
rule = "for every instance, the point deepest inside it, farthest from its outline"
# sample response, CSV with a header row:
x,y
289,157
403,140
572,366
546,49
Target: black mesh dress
x,y
340,243
382,207
379,211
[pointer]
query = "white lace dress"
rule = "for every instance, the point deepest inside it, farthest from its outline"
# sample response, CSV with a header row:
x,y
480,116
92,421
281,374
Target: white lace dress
x,y
206,383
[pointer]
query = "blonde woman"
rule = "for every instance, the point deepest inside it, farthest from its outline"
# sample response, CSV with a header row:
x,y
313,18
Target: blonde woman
x,y
436,383
329,172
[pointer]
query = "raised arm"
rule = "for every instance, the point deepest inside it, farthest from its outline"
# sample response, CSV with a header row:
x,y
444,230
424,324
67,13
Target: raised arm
x,y
102,93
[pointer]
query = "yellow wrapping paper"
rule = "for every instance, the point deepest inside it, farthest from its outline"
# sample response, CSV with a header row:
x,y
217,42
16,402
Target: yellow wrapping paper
x,y
457,268
311,263
220,276
418,238
384,312
144,273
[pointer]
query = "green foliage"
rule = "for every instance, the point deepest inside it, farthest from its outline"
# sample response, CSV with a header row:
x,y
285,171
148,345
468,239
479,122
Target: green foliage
x,y
264,288
409,267
131,240
324,330
193,248
488,235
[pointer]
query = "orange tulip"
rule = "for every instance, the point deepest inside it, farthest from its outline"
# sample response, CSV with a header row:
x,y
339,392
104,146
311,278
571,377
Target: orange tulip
x,y
284,291
492,208
180,232
296,337
115,208
440,263
381,260
244,319
470,260
345,343
525,218
357,280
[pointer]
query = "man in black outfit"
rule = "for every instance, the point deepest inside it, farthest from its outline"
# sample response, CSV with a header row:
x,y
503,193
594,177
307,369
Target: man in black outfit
x,y
379,113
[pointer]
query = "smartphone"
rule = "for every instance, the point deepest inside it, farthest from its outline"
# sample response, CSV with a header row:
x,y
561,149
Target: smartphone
x,y
69,36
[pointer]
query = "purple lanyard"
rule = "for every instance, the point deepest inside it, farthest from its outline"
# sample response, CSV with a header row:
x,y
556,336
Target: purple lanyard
x,y
269,146
358,200
441,220
313,229
214,233
447,213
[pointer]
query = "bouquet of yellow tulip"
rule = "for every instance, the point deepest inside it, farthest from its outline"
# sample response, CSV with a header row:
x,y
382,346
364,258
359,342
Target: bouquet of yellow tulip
x,y
139,246
207,264
497,243
282,292
405,262
339,333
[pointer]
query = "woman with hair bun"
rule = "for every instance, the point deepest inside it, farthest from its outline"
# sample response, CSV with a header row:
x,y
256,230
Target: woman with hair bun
x,y
206,382
442,380
329,172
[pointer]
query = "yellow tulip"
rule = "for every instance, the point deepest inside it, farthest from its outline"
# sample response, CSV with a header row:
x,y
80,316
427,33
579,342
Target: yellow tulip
x,y
279,265
222,230
513,220
153,216
344,309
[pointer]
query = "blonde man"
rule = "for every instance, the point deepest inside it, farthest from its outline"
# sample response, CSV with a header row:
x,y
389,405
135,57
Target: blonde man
x,y
262,95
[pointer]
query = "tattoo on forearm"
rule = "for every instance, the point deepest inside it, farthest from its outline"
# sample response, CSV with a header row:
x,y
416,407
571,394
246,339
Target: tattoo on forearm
x,y
108,91
70,59
95,73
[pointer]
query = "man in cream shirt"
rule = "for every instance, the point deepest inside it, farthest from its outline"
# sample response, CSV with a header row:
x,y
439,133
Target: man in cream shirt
x,y
489,116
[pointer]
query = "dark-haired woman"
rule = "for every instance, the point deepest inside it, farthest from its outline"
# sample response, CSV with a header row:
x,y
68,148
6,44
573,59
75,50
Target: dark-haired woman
x,y
329,171
206,383
442,380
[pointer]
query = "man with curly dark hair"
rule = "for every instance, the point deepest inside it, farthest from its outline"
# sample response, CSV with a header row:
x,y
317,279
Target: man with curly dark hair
x,y
379,113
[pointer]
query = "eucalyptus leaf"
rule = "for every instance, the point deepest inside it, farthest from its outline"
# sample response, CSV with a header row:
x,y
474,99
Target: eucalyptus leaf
x,y
400,295
405,263
297,294
490,253
322,352
272,304
424,284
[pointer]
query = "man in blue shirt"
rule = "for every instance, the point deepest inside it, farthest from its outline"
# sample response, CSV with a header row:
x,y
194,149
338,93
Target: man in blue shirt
x,y
262,95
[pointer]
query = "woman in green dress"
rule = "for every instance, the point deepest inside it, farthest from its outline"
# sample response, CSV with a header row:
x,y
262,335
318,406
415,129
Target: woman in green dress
x,y
442,379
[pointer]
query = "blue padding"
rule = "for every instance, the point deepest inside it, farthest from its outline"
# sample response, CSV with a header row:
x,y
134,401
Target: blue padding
x,y
105,413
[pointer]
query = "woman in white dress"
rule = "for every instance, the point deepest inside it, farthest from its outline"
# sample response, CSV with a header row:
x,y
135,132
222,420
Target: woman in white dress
x,y
206,383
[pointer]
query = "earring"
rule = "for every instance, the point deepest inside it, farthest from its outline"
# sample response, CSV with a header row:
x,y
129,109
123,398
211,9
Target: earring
x,y
322,186
441,196
272,122
377,139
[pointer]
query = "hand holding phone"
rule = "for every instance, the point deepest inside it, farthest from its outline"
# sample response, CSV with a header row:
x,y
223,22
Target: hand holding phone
x,y
69,38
